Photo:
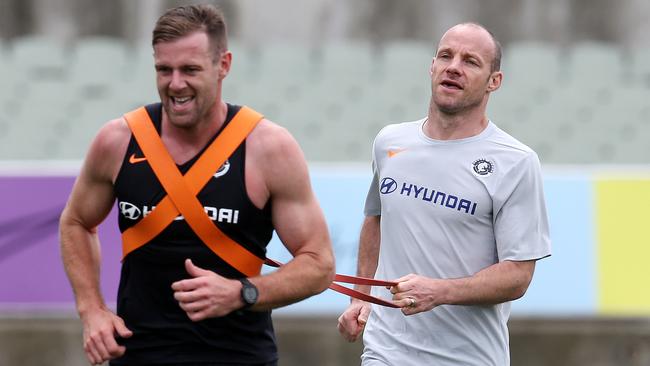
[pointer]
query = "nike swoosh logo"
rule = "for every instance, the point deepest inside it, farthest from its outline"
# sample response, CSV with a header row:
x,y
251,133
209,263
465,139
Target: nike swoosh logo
x,y
392,153
134,160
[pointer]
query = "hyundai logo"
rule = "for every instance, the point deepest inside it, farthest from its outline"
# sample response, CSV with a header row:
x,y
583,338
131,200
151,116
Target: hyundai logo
x,y
129,210
388,185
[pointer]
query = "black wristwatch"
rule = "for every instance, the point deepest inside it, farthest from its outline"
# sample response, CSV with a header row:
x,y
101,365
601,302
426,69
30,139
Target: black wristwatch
x,y
249,293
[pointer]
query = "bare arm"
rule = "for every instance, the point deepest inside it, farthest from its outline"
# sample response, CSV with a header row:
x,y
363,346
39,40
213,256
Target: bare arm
x,y
298,221
89,203
368,256
500,282
352,322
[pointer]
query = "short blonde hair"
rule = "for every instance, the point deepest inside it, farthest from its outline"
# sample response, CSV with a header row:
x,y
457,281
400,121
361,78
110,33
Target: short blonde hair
x,y
184,20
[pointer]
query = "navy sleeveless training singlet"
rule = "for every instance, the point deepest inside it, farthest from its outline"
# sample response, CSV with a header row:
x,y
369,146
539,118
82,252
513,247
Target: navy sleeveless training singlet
x,y
162,332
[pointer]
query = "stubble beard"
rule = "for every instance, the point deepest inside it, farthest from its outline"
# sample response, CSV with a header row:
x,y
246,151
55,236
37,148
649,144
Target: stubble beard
x,y
455,106
184,121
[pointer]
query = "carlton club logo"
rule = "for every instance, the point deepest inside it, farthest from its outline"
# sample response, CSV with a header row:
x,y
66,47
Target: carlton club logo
x,y
483,167
388,185
129,210
223,169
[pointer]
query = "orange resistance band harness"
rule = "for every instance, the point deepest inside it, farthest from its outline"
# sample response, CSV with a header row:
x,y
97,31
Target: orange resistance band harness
x,y
181,198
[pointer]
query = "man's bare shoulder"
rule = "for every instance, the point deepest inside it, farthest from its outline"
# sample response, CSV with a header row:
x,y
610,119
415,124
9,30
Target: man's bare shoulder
x,y
277,159
273,141
113,132
108,148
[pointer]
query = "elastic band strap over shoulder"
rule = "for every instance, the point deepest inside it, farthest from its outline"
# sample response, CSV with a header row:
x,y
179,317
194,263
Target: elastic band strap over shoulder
x,y
182,190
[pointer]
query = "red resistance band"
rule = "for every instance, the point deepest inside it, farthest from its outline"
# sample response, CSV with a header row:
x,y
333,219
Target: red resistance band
x,y
353,280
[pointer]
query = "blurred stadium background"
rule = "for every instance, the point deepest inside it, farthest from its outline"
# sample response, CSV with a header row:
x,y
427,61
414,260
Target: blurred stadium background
x,y
576,89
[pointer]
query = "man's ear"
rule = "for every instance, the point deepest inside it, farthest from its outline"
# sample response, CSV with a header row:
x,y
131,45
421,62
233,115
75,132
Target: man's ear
x,y
224,64
495,80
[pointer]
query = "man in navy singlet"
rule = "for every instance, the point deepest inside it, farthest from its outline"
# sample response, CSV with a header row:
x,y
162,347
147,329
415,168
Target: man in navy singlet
x,y
179,302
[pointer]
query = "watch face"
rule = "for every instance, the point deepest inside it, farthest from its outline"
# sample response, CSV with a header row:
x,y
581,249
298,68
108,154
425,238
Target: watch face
x,y
249,294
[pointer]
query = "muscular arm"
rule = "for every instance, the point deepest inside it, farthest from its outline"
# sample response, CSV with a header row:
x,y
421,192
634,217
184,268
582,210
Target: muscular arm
x,y
89,203
298,221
